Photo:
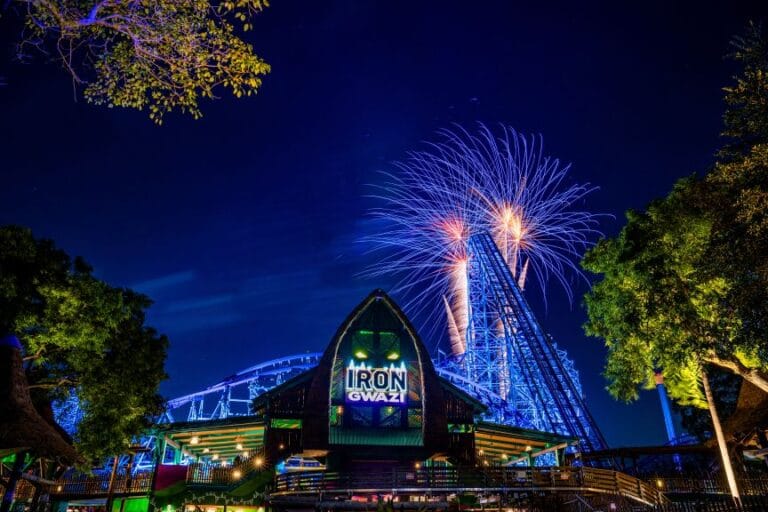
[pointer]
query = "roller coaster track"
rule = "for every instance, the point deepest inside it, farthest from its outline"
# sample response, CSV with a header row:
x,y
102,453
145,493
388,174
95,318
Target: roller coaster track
x,y
510,354
231,393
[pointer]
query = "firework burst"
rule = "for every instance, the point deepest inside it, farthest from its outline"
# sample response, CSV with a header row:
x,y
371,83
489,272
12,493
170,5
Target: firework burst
x,y
466,183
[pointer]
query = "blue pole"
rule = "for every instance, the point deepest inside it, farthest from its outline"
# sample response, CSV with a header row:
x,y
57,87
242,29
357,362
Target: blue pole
x,y
667,412
665,408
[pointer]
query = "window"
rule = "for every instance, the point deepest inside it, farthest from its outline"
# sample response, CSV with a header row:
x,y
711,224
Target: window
x,y
414,417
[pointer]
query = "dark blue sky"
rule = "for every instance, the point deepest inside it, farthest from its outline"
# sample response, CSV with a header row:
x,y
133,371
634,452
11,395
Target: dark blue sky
x,y
242,226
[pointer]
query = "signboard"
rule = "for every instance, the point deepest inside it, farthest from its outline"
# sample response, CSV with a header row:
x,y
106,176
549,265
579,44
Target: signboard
x,y
376,385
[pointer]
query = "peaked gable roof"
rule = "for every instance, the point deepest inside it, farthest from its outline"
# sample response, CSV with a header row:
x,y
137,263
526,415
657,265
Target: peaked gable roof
x,y
378,304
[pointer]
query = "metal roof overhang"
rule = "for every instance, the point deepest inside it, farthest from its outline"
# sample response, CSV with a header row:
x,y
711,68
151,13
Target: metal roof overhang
x,y
504,444
226,438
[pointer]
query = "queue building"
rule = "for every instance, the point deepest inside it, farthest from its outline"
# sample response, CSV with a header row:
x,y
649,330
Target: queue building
x,y
372,424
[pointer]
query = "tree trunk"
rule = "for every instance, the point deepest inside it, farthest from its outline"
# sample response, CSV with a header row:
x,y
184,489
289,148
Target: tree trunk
x,y
727,468
751,375
111,488
13,479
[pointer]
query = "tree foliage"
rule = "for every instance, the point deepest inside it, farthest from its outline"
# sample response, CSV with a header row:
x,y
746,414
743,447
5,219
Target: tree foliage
x,y
82,336
159,55
655,307
745,120
685,283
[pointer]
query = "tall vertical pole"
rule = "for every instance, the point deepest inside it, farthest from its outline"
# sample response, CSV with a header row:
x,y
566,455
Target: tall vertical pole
x,y
729,475
665,408
667,412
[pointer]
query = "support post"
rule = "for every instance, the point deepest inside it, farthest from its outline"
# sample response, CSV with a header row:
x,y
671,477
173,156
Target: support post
x,y
33,507
13,479
177,454
163,448
727,467
111,489
128,480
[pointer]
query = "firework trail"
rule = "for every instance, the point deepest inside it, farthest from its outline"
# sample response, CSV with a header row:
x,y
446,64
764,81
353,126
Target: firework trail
x,y
466,183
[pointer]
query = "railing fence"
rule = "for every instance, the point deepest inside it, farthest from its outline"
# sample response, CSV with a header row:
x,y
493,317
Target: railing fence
x,y
501,478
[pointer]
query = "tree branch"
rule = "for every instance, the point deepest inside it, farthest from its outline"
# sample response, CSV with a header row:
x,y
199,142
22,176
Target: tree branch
x,y
32,357
751,375
52,385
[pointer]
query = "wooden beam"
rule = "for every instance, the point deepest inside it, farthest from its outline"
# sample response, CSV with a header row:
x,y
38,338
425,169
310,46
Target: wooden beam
x,y
206,430
535,453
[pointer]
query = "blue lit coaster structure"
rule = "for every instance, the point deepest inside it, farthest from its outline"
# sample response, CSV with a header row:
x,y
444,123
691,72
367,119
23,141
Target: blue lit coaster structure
x,y
509,354
234,395
510,364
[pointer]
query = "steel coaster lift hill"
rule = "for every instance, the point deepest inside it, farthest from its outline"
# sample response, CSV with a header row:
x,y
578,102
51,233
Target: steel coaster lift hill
x,y
510,364
508,352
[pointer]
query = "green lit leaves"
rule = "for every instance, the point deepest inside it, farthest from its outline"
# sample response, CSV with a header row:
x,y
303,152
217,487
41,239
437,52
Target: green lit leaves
x,y
672,294
686,281
656,305
81,334
746,118
155,55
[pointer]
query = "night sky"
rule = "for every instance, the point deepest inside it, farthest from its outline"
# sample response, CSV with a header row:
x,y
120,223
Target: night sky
x,y
243,226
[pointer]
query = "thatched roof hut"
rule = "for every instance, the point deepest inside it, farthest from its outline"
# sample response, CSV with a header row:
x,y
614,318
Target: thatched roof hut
x,y
22,428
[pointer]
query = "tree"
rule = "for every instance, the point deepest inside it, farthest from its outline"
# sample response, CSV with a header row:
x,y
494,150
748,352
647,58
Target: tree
x,y
660,305
746,117
82,336
686,282
657,305
738,192
160,55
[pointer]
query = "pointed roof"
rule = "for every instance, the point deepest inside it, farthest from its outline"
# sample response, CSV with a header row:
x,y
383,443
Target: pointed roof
x,y
379,309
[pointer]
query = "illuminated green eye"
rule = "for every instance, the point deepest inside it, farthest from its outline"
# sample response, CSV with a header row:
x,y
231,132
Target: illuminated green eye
x,y
361,355
393,356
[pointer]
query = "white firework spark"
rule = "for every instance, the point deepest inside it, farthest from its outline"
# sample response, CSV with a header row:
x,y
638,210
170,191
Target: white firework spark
x,y
466,183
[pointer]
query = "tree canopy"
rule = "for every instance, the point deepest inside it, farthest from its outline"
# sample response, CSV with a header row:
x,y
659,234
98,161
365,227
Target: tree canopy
x,y
159,55
685,283
81,335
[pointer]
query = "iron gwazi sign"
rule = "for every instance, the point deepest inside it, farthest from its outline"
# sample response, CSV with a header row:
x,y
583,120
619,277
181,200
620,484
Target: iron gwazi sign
x,y
376,385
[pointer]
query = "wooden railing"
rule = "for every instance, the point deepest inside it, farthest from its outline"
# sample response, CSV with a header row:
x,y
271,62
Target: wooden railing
x,y
205,474
752,486
457,478
140,483
24,490
747,504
